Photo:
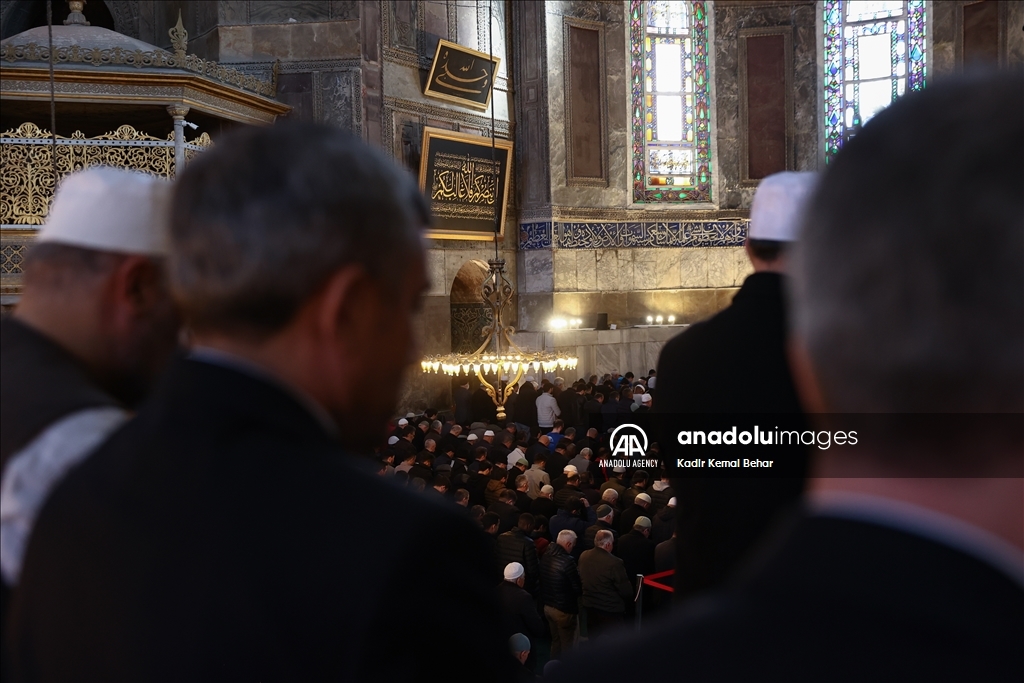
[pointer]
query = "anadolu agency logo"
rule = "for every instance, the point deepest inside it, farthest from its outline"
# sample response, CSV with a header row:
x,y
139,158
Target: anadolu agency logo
x,y
629,447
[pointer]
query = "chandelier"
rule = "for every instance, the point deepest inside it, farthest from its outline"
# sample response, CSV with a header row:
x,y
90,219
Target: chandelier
x,y
498,354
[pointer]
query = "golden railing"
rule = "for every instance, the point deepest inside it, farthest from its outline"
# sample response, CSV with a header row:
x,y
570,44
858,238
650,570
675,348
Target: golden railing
x,y
27,163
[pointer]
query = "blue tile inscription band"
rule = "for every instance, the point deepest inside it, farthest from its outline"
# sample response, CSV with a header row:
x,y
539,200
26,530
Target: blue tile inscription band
x,y
612,235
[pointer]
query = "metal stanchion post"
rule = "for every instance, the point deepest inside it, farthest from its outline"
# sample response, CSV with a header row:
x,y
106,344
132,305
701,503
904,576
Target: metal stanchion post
x,y
639,600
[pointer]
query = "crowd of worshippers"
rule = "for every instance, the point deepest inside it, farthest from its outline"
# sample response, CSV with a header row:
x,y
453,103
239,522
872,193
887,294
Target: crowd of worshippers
x,y
569,536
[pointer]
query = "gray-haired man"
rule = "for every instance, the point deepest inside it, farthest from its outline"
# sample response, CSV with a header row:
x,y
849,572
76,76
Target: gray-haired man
x,y
195,544
560,592
906,561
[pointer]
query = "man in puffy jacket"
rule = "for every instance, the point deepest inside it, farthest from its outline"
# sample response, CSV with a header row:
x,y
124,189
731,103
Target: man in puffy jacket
x,y
561,588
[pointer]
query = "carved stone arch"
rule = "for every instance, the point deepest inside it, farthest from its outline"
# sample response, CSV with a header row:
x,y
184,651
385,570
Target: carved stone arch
x,y
126,16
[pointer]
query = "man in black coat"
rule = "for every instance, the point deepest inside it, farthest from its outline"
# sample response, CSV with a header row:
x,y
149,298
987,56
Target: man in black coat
x,y
544,503
518,609
743,369
505,508
91,333
640,508
636,549
463,409
568,402
515,545
899,572
202,541
605,516
664,522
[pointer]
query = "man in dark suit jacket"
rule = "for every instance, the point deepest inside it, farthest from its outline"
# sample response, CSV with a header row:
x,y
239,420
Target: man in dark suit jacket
x,y
742,369
213,537
906,562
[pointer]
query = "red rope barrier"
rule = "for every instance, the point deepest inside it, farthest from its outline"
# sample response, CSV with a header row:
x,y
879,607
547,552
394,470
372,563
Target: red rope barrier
x,y
651,580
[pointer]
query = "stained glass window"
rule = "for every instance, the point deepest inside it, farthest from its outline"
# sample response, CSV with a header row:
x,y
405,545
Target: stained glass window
x,y
874,51
671,101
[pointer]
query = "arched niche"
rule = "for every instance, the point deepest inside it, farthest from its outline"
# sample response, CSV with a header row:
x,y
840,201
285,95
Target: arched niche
x,y
470,313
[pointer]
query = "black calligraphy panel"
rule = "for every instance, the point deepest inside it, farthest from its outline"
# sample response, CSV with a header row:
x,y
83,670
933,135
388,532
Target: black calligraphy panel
x,y
459,74
466,181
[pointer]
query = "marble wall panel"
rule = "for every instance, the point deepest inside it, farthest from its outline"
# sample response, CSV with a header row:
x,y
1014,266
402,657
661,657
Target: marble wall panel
x,y
440,285
636,358
729,18
743,265
668,267
943,39
236,44
626,271
653,353
1014,35
564,274
721,268
233,12
645,267
606,266
586,270
535,311
287,11
433,325
606,356
345,10
693,268
420,390
536,273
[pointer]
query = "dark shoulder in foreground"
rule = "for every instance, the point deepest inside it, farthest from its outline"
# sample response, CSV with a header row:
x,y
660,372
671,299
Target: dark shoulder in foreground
x,y
225,536
835,600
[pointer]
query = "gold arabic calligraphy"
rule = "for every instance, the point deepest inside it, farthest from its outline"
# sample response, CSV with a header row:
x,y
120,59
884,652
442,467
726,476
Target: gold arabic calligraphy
x,y
476,86
463,179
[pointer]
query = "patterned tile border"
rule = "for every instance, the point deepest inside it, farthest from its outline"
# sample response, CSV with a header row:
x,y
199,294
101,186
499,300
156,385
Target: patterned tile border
x,y
631,234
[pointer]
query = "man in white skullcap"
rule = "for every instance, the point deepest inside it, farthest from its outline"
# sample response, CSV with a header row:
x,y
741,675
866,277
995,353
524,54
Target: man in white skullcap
x,y
743,369
93,328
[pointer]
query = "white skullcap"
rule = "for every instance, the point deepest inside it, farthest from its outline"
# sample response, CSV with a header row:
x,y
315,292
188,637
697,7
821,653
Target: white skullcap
x,y
570,469
513,570
392,440
529,378
110,209
403,422
410,415
488,433
472,437
645,398
778,206
672,502
644,497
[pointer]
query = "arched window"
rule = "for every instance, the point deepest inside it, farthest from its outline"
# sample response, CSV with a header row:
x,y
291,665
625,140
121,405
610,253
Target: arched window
x,y
671,101
874,51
